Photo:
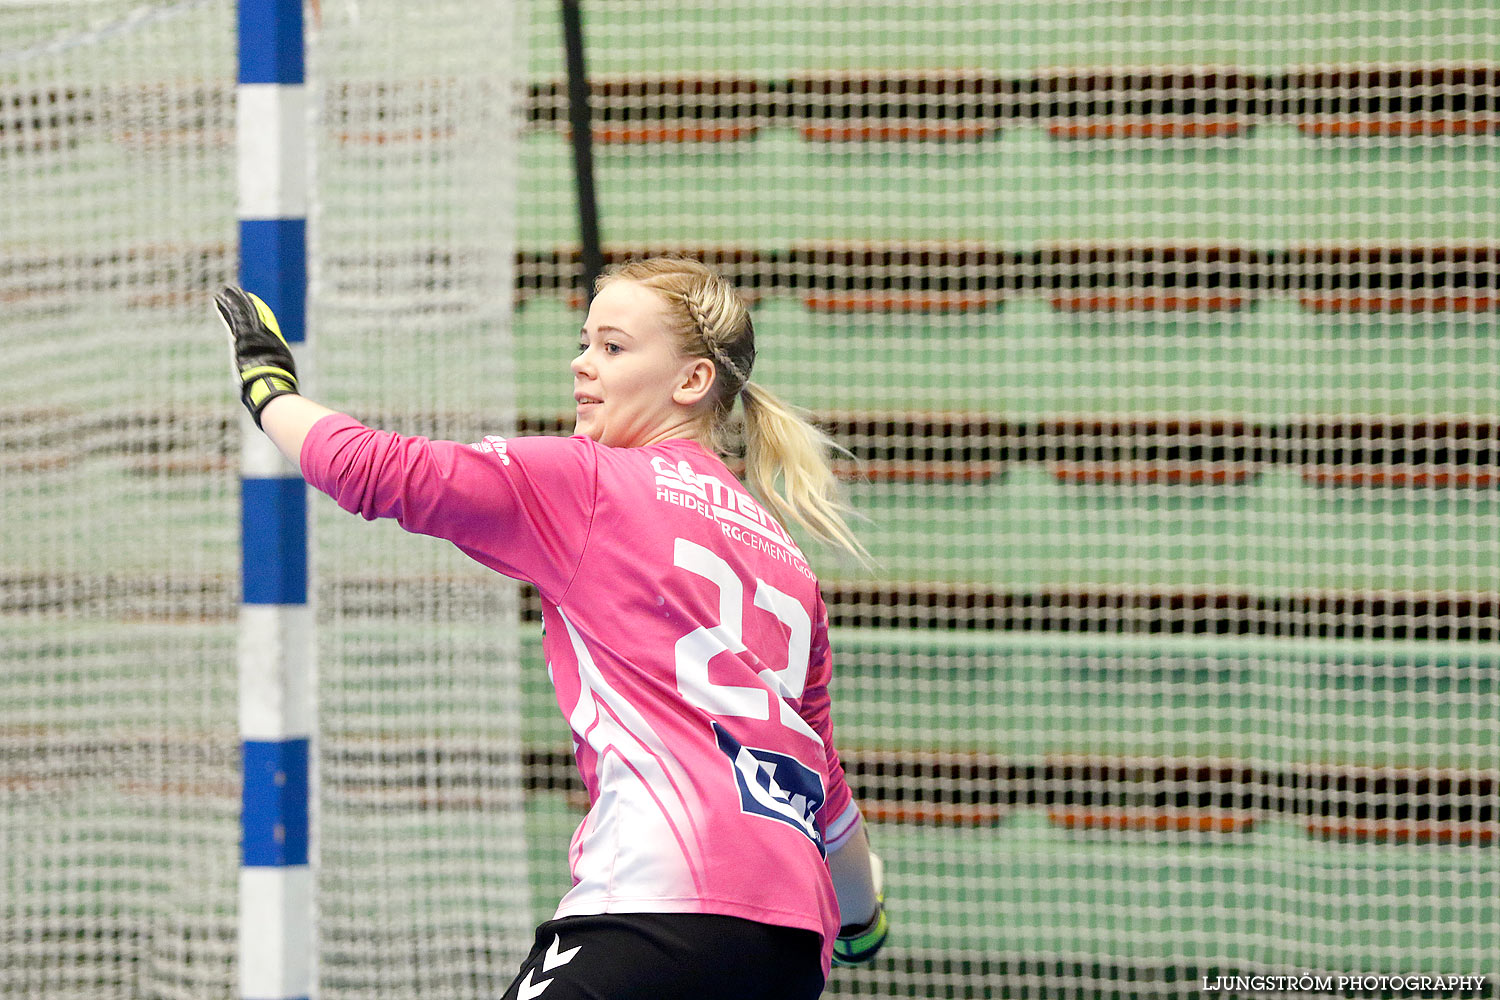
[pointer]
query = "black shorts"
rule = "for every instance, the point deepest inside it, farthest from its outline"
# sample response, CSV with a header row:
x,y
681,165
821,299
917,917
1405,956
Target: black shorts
x,y
662,956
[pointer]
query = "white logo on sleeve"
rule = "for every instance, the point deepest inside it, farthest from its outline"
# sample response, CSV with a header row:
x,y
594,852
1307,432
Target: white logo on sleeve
x,y
492,445
551,960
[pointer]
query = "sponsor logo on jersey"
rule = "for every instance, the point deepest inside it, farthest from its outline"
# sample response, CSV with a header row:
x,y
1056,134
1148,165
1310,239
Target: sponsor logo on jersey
x,y
775,786
737,513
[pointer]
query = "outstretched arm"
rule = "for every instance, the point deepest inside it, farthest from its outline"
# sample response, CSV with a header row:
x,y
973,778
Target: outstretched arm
x,y
286,421
515,506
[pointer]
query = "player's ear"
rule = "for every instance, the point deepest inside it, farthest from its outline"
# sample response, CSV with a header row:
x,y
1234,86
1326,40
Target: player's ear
x,y
694,383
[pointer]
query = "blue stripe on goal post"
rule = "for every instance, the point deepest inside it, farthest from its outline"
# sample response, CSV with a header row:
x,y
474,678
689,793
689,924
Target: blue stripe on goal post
x,y
270,33
273,540
274,803
277,936
273,265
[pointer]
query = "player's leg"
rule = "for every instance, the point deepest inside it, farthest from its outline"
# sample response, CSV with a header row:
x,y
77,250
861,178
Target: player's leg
x,y
664,956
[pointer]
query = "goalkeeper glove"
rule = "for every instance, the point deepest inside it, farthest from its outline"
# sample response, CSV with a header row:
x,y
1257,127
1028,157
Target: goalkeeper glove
x,y
261,355
857,944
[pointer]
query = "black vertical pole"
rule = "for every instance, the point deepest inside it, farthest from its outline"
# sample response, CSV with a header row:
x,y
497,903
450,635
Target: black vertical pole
x,y
580,117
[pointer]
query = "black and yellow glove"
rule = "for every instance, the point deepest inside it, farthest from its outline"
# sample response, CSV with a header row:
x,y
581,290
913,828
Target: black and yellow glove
x,y
857,944
261,355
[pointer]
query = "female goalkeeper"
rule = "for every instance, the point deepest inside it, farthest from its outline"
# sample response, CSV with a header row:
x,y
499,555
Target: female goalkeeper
x,y
722,854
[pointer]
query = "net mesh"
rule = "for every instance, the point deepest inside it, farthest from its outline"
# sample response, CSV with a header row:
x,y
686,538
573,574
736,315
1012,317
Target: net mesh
x,y
118,468
1164,339
118,728
421,823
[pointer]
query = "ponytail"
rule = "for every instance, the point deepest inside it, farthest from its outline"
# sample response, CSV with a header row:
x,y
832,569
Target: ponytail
x,y
781,444
786,457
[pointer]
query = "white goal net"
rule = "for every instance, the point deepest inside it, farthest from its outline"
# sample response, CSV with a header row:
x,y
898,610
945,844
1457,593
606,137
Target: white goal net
x,y
119,440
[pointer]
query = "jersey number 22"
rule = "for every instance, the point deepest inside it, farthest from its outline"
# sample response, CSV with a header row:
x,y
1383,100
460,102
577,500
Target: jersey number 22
x,y
698,647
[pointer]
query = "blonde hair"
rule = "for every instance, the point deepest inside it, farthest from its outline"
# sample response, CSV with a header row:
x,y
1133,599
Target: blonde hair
x,y
786,456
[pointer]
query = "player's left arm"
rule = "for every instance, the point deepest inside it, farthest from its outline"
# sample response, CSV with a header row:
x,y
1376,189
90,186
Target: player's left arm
x,y
857,881
856,871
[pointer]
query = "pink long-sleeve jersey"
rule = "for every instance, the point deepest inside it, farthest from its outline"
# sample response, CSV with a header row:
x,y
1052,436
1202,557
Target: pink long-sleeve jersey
x,y
686,639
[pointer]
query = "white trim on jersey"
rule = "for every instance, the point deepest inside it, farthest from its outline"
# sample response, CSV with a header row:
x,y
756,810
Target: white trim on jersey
x,y
838,832
621,736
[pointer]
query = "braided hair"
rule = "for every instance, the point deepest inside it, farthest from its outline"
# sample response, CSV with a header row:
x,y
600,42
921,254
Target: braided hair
x,y
786,456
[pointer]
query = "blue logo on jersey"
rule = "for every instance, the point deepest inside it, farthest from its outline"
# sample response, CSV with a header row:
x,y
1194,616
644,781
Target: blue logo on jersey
x,y
775,786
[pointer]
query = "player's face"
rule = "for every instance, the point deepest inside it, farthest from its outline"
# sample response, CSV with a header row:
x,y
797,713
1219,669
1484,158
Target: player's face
x,y
631,386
